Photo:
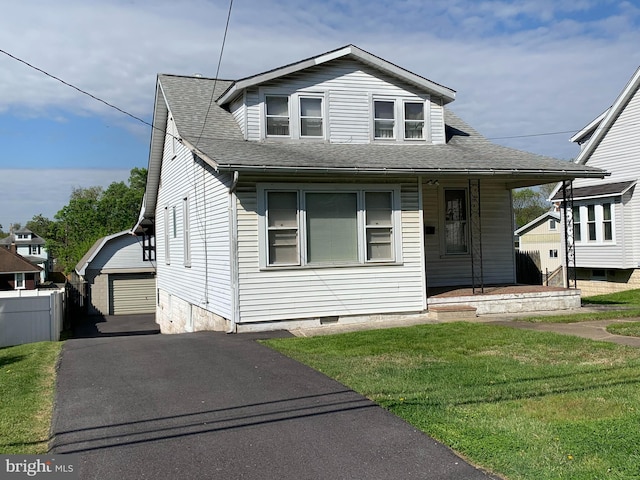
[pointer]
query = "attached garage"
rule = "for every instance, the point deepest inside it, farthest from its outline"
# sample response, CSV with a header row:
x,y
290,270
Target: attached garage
x,y
120,281
132,293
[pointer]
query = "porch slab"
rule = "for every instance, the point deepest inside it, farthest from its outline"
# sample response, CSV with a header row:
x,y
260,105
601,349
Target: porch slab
x,y
506,299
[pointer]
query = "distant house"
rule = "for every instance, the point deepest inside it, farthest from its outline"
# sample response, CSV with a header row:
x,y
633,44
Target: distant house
x,y
16,273
120,281
334,189
543,235
31,247
606,213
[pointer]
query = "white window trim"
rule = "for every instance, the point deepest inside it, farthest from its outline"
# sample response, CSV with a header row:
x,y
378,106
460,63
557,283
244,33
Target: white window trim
x,y
23,282
599,223
399,118
360,190
294,113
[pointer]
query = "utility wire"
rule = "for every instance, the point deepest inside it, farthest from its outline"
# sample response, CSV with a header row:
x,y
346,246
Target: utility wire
x,y
215,81
76,88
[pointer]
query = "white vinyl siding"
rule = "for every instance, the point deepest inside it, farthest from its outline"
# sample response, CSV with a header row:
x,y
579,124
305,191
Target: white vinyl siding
x,y
497,243
347,88
617,153
268,294
207,283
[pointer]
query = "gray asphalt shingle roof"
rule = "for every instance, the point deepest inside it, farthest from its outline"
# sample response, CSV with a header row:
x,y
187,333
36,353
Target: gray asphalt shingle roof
x,y
222,141
600,190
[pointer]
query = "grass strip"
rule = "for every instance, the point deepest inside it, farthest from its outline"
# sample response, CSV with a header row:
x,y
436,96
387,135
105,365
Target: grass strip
x,y
27,382
525,404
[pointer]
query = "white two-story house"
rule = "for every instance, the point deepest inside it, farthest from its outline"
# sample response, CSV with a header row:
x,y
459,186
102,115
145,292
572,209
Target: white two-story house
x,y
336,189
606,212
30,246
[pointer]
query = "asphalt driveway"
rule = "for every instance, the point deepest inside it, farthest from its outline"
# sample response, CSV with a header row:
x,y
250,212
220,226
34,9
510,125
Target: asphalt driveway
x,y
135,404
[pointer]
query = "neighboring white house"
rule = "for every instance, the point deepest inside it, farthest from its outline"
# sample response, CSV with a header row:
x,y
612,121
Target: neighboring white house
x,y
334,189
542,234
606,213
120,279
31,247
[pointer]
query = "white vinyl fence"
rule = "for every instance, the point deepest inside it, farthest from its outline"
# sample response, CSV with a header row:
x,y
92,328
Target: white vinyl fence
x,y
31,317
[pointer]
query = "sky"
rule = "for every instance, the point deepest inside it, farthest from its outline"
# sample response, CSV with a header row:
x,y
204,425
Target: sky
x,y
536,70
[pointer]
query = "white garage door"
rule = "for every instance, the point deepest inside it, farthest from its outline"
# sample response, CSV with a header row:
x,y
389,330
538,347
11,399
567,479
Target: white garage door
x,y
132,293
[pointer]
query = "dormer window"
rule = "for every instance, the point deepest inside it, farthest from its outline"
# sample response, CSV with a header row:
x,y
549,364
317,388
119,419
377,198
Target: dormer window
x,y
414,120
311,117
384,119
277,115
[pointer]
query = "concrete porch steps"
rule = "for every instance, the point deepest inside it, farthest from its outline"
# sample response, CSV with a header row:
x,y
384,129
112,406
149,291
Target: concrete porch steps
x,y
451,313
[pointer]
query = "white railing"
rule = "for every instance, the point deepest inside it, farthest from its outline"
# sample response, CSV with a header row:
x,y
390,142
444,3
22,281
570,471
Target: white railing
x,y
31,318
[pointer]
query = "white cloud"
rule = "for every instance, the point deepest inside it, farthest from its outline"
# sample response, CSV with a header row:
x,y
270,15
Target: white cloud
x,y
29,192
520,67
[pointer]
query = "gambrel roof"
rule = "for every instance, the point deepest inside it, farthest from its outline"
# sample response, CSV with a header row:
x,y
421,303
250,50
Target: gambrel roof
x,y
211,132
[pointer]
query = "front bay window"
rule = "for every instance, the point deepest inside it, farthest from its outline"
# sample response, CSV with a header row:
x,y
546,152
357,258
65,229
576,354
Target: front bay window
x,y
329,226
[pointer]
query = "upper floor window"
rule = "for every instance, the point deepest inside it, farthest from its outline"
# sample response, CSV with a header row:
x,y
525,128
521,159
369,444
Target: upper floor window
x,y
552,224
311,117
318,226
414,120
277,112
456,231
384,119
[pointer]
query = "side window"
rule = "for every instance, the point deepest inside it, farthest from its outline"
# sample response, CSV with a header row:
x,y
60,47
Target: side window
x,y
577,232
186,232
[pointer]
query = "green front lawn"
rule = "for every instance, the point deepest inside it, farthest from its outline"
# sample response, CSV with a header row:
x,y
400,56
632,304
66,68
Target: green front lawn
x,y
27,379
525,404
627,301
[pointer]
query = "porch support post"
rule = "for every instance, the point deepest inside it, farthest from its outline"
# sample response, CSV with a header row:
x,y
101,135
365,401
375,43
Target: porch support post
x,y
475,236
570,276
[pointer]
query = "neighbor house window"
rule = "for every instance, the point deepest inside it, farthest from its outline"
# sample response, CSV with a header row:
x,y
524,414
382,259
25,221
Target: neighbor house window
x,y
591,223
552,224
311,117
414,120
186,227
607,227
553,253
317,226
577,232
35,249
384,119
19,281
596,220
277,115
456,233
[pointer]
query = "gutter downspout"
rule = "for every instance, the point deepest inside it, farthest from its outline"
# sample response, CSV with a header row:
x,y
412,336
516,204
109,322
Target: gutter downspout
x,y
233,254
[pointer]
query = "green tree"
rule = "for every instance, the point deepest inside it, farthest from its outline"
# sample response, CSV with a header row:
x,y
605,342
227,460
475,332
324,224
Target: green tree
x,y
40,225
93,213
528,204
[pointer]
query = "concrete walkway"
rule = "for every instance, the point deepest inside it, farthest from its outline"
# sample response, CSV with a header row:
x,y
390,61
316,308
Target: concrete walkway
x,y
137,405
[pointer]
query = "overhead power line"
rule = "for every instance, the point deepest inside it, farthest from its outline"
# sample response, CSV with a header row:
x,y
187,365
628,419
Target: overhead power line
x,y
84,92
213,91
